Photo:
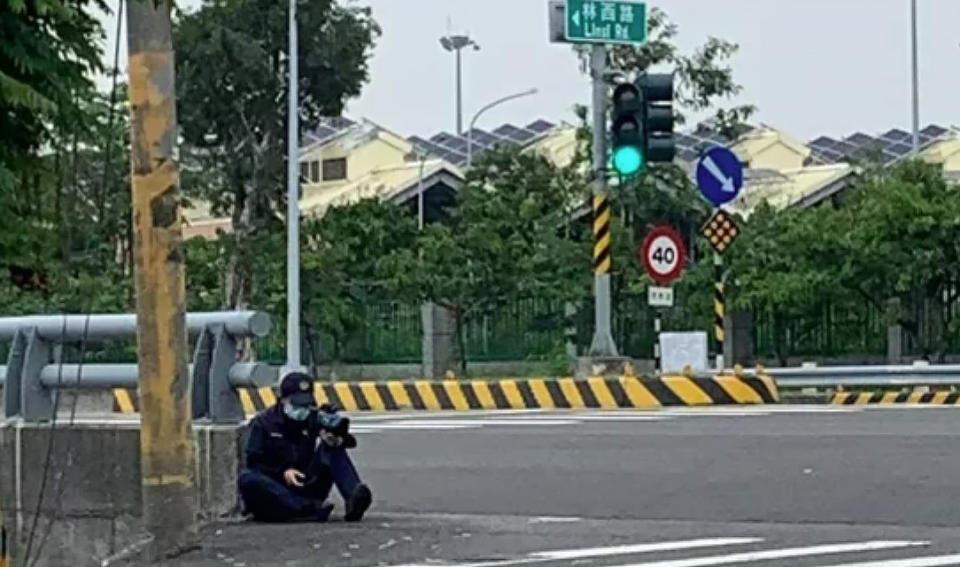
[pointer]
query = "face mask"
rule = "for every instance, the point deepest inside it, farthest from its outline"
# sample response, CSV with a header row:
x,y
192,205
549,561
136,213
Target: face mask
x,y
296,413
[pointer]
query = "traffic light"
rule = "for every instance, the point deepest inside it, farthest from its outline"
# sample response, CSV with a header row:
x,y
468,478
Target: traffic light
x,y
657,93
627,129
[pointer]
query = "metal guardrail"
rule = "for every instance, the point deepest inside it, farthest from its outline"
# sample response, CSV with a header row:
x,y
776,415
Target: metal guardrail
x,y
71,328
33,372
852,376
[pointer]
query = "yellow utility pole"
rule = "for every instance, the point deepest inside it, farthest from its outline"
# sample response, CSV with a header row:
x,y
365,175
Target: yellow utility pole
x,y
166,437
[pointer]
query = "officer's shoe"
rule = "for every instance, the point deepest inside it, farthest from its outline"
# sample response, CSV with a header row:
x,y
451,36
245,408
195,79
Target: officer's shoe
x,y
358,503
322,511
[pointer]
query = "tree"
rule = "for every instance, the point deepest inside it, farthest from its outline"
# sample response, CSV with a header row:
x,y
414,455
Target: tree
x,y
894,237
232,84
510,237
50,49
349,258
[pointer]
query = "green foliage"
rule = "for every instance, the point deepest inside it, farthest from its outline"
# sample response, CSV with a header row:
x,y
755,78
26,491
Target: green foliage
x,y
348,255
48,51
231,84
895,236
512,236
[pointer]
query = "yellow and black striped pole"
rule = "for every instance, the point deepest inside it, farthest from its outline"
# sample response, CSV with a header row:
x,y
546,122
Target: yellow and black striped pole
x,y
602,259
718,306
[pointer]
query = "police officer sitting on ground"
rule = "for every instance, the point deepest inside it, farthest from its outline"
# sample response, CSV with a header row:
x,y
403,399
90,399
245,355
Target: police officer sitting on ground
x,y
295,454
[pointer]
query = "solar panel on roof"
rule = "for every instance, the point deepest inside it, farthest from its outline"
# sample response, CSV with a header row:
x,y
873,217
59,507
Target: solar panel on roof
x,y
455,158
323,133
934,131
521,135
539,126
454,143
896,135
427,146
860,139
828,156
845,147
824,142
441,137
505,130
483,138
899,149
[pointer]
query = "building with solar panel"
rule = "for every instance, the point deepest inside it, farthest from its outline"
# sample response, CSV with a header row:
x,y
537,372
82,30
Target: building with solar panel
x,y
343,161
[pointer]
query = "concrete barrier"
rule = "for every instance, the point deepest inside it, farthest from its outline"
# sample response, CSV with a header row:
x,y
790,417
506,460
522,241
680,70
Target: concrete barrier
x,y
923,396
522,393
91,504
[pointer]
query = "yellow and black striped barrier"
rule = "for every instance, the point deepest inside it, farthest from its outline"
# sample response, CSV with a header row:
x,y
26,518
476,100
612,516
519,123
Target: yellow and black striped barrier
x,y
525,393
896,397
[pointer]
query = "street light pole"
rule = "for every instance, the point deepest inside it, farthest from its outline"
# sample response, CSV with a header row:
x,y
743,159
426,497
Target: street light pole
x,y
293,200
916,77
459,95
456,43
528,92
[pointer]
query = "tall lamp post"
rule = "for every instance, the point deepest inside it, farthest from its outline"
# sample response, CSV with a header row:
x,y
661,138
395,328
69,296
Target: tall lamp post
x,y
499,101
456,43
916,77
293,201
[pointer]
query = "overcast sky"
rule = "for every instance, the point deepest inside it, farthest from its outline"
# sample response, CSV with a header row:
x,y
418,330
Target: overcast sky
x,y
811,66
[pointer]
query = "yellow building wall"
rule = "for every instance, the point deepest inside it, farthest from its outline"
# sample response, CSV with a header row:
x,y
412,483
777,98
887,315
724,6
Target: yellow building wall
x,y
949,155
376,154
769,151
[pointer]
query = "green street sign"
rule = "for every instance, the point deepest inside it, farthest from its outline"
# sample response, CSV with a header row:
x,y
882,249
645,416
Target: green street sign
x,y
596,21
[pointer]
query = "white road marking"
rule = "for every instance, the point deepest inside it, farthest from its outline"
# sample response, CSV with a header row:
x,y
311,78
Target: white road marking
x,y
812,409
555,520
932,561
410,426
784,553
548,556
643,548
601,417
484,422
442,414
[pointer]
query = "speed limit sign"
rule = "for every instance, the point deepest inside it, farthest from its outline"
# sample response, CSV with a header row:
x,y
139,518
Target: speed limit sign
x,y
663,255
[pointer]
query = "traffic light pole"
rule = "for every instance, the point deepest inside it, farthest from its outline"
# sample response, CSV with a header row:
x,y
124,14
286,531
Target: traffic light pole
x,y
166,436
602,343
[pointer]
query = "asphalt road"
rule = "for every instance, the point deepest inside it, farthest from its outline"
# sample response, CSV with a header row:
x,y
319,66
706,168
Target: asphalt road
x,y
703,487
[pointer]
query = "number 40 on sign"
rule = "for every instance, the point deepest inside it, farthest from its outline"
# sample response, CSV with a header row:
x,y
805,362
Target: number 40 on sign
x,y
663,255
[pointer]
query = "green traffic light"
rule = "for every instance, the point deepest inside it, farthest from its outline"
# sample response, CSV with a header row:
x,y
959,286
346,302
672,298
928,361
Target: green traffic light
x,y
627,160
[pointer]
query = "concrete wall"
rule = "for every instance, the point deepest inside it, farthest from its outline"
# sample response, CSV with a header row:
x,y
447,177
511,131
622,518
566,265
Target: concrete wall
x,y
91,505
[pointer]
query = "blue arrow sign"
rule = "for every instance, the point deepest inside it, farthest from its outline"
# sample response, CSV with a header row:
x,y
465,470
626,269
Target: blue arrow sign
x,y
719,175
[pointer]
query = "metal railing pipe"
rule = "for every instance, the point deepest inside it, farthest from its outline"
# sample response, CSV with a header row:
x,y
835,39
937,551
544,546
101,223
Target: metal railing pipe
x,y
72,328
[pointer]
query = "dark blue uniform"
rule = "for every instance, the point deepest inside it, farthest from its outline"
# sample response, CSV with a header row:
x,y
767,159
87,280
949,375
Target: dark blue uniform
x,y
278,443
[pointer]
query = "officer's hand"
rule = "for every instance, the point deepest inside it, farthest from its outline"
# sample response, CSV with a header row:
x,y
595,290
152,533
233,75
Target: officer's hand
x,y
331,439
293,477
